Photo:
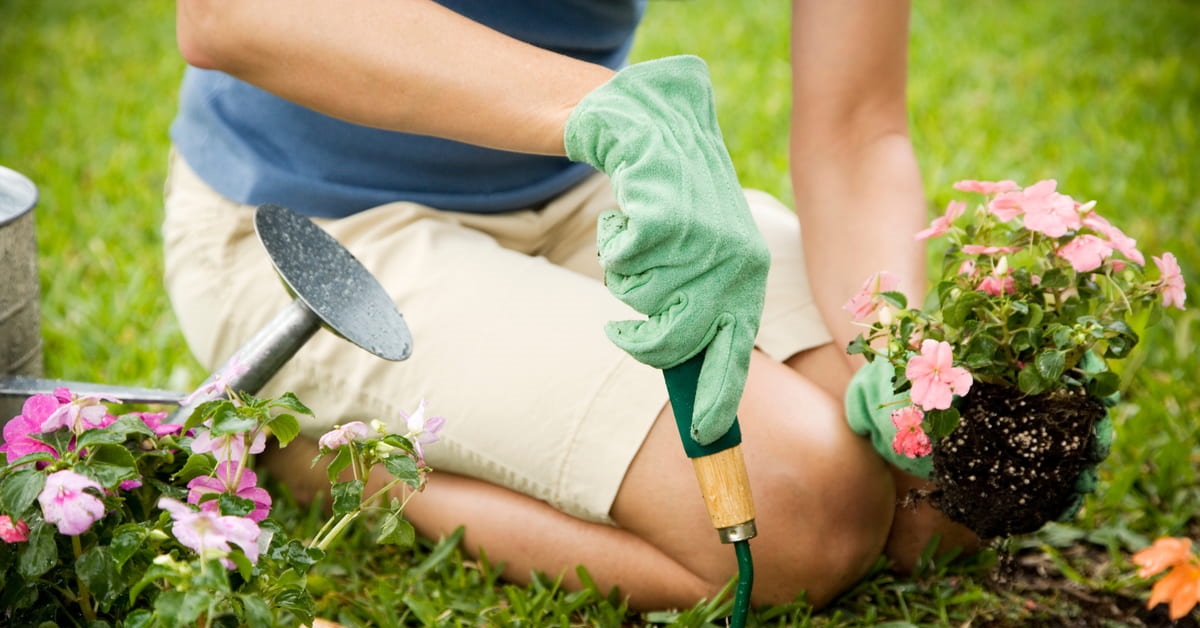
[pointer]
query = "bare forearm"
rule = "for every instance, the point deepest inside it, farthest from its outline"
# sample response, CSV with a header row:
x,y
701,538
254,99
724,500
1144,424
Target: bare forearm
x,y
407,65
859,209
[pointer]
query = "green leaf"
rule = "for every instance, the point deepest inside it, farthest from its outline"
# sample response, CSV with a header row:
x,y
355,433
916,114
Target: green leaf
x,y
1092,364
1050,364
178,608
858,346
205,411
196,466
940,423
1122,340
1029,381
59,440
109,465
895,299
1055,279
255,611
126,540
291,402
18,491
1104,384
339,463
115,433
232,505
980,351
242,562
40,552
98,570
232,420
347,496
298,601
395,530
284,427
403,468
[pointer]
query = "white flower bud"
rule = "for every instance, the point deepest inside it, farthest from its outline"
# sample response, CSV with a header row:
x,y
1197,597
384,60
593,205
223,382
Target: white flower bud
x,y
885,316
1002,266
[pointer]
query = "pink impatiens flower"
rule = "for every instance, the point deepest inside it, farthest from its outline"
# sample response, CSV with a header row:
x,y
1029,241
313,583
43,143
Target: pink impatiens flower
x,y
910,439
1171,285
231,447
1085,253
209,534
1046,211
344,435
996,286
986,187
422,431
942,223
13,532
154,421
1124,244
226,480
66,505
216,385
935,379
867,300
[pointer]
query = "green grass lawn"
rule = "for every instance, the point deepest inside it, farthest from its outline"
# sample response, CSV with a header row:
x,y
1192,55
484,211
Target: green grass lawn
x,y
1103,96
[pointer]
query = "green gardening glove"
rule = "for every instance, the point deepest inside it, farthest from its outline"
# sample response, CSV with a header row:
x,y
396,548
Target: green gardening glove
x,y
869,406
683,249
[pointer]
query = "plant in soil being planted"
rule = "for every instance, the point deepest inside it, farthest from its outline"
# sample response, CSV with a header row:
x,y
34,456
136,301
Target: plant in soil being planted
x,y
997,388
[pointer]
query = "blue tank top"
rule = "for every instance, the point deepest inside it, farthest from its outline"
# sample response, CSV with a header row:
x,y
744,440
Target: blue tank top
x,y
254,147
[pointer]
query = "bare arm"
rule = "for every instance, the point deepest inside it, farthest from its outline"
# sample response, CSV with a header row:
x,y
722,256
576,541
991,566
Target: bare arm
x,y
855,178
403,65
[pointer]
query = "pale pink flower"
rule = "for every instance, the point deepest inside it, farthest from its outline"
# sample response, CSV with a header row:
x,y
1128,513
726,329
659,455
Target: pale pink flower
x,y
942,223
344,435
1085,253
83,412
967,267
935,379
13,532
1046,211
231,447
1171,285
226,480
910,439
216,385
421,430
986,187
867,300
979,249
1124,244
209,534
66,505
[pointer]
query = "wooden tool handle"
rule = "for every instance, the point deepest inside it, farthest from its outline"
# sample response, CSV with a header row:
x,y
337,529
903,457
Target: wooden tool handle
x,y
725,486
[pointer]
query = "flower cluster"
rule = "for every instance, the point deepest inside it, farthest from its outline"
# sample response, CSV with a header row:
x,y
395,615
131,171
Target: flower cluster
x,y
1034,293
1180,587
134,518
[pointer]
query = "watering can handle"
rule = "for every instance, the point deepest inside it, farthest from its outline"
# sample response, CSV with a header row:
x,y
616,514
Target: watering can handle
x,y
720,467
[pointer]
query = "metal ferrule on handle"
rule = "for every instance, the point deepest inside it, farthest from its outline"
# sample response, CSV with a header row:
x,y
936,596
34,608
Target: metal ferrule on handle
x,y
720,467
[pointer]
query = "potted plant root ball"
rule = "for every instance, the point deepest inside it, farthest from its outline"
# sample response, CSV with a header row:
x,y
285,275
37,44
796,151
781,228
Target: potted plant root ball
x,y
997,389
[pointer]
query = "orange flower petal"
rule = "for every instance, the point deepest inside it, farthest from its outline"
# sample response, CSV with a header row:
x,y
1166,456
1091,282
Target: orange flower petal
x,y
1165,552
1180,588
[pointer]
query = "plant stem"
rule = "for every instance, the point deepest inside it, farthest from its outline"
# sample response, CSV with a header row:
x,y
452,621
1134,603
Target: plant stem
x,y
85,596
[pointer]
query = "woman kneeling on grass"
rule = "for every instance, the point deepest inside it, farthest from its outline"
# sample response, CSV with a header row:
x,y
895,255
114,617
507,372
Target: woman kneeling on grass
x,y
477,158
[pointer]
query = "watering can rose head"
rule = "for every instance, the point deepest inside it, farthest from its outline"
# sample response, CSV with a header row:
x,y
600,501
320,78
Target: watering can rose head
x,y
1034,293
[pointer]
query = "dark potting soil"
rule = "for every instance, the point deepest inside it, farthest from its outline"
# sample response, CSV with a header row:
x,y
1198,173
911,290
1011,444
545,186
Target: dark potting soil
x,y
1011,464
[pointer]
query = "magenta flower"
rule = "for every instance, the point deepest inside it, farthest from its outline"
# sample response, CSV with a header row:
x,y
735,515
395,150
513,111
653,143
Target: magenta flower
x,y
154,421
910,439
1085,253
226,480
997,286
867,300
18,441
935,379
986,187
344,435
66,505
13,532
422,431
941,224
1124,244
1171,285
209,534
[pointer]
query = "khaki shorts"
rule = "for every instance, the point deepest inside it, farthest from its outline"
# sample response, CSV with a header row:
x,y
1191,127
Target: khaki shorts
x,y
507,315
